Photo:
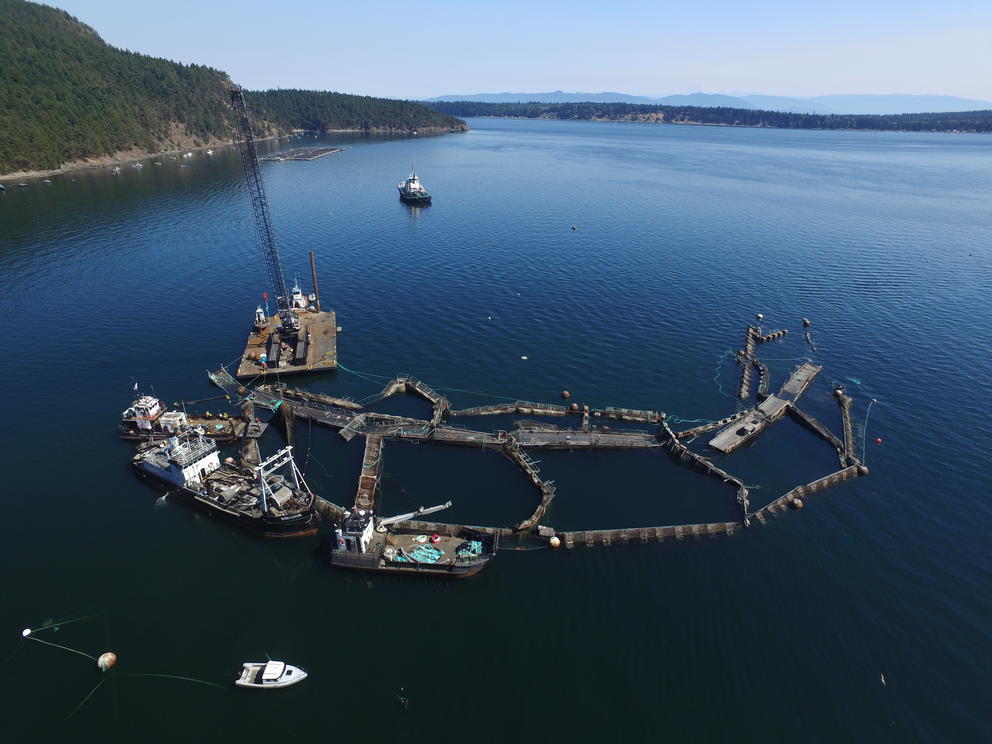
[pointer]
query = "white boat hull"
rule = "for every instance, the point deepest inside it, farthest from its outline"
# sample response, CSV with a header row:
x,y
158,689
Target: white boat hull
x,y
252,676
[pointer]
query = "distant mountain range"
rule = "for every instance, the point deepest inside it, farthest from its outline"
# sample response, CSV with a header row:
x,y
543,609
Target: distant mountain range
x,y
833,104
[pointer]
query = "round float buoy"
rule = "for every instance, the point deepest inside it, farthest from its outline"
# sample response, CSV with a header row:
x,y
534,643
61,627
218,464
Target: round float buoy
x,y
565,394
229,460
555,542
106,660
759,316
574,227
806,323
878,441
862,470
573,407
797,503
25,633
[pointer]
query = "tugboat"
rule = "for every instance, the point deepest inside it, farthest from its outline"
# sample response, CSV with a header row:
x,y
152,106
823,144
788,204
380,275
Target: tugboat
x,y
368,543
257,498
413,192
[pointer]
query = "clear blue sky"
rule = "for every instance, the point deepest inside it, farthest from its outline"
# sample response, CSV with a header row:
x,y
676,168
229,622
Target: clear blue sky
x,y
423,48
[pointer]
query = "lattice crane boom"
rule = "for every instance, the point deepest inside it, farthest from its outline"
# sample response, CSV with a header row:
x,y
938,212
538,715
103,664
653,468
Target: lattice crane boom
x,y
260,208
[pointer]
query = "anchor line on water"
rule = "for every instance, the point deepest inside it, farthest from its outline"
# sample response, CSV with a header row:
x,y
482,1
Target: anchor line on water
x,y
60,623
83,701
716,375
322,467
306,462
864,433
66,648
174,676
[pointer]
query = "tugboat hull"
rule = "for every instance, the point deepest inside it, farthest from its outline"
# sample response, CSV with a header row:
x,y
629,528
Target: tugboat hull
x,y
456,555
341,559
415,200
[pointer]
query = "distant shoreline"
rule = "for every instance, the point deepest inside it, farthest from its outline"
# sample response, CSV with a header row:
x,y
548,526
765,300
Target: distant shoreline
x,y
725,124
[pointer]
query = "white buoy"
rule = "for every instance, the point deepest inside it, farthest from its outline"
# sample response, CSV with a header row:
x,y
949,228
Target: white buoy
x,y
555,542
524,358
25,633
759,316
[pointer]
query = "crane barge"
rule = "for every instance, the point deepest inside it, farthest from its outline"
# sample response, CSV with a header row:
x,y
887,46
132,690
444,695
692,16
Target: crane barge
x,y
300,337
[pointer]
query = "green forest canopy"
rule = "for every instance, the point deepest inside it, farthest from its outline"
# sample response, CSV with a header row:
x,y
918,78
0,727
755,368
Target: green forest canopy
x,y
66,95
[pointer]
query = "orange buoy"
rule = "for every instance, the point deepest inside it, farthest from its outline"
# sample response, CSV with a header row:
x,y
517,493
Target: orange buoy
x,y
573,406
106,660
565,394
555,541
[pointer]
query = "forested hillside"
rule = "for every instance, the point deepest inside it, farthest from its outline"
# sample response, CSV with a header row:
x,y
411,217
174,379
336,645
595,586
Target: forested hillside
x,y
65,95
309,109
964,121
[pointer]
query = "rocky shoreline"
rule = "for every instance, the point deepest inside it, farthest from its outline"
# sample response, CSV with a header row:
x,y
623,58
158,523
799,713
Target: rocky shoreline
x,y
133,156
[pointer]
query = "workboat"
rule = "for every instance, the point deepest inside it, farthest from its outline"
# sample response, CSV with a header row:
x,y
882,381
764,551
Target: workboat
x,y
269,675
412,191
148,418
366,542
256,497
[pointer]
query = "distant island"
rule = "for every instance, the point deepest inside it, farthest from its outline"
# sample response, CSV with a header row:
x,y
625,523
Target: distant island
x,y
963,121
70,98
888,103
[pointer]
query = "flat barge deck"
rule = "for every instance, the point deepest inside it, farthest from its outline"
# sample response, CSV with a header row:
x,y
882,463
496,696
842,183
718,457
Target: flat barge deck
x,y
321,352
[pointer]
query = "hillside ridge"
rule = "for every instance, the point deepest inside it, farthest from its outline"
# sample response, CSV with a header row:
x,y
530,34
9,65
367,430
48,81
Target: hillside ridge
x,y
71,99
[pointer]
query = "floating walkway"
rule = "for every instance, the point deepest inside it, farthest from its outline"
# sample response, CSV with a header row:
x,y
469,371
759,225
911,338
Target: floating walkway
x,y
769,411
352,419
302,153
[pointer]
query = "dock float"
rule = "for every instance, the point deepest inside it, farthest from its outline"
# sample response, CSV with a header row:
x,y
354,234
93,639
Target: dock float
x,y
302,153
770,410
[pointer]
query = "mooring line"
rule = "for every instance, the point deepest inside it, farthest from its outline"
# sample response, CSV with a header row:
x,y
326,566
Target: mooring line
x,y
864,434
175,676
60,623
87,697
49,643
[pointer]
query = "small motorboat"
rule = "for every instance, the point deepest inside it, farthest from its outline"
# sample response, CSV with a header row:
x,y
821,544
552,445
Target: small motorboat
x,y
267,675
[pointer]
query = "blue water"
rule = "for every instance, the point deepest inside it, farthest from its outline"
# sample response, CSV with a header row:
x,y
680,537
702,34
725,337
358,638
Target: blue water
x,y
682,233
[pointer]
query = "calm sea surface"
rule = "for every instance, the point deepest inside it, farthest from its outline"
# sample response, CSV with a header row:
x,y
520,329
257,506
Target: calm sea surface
x,y
781,633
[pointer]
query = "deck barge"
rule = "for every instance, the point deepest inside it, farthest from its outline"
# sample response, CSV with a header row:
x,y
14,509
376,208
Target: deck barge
x,y
320,354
